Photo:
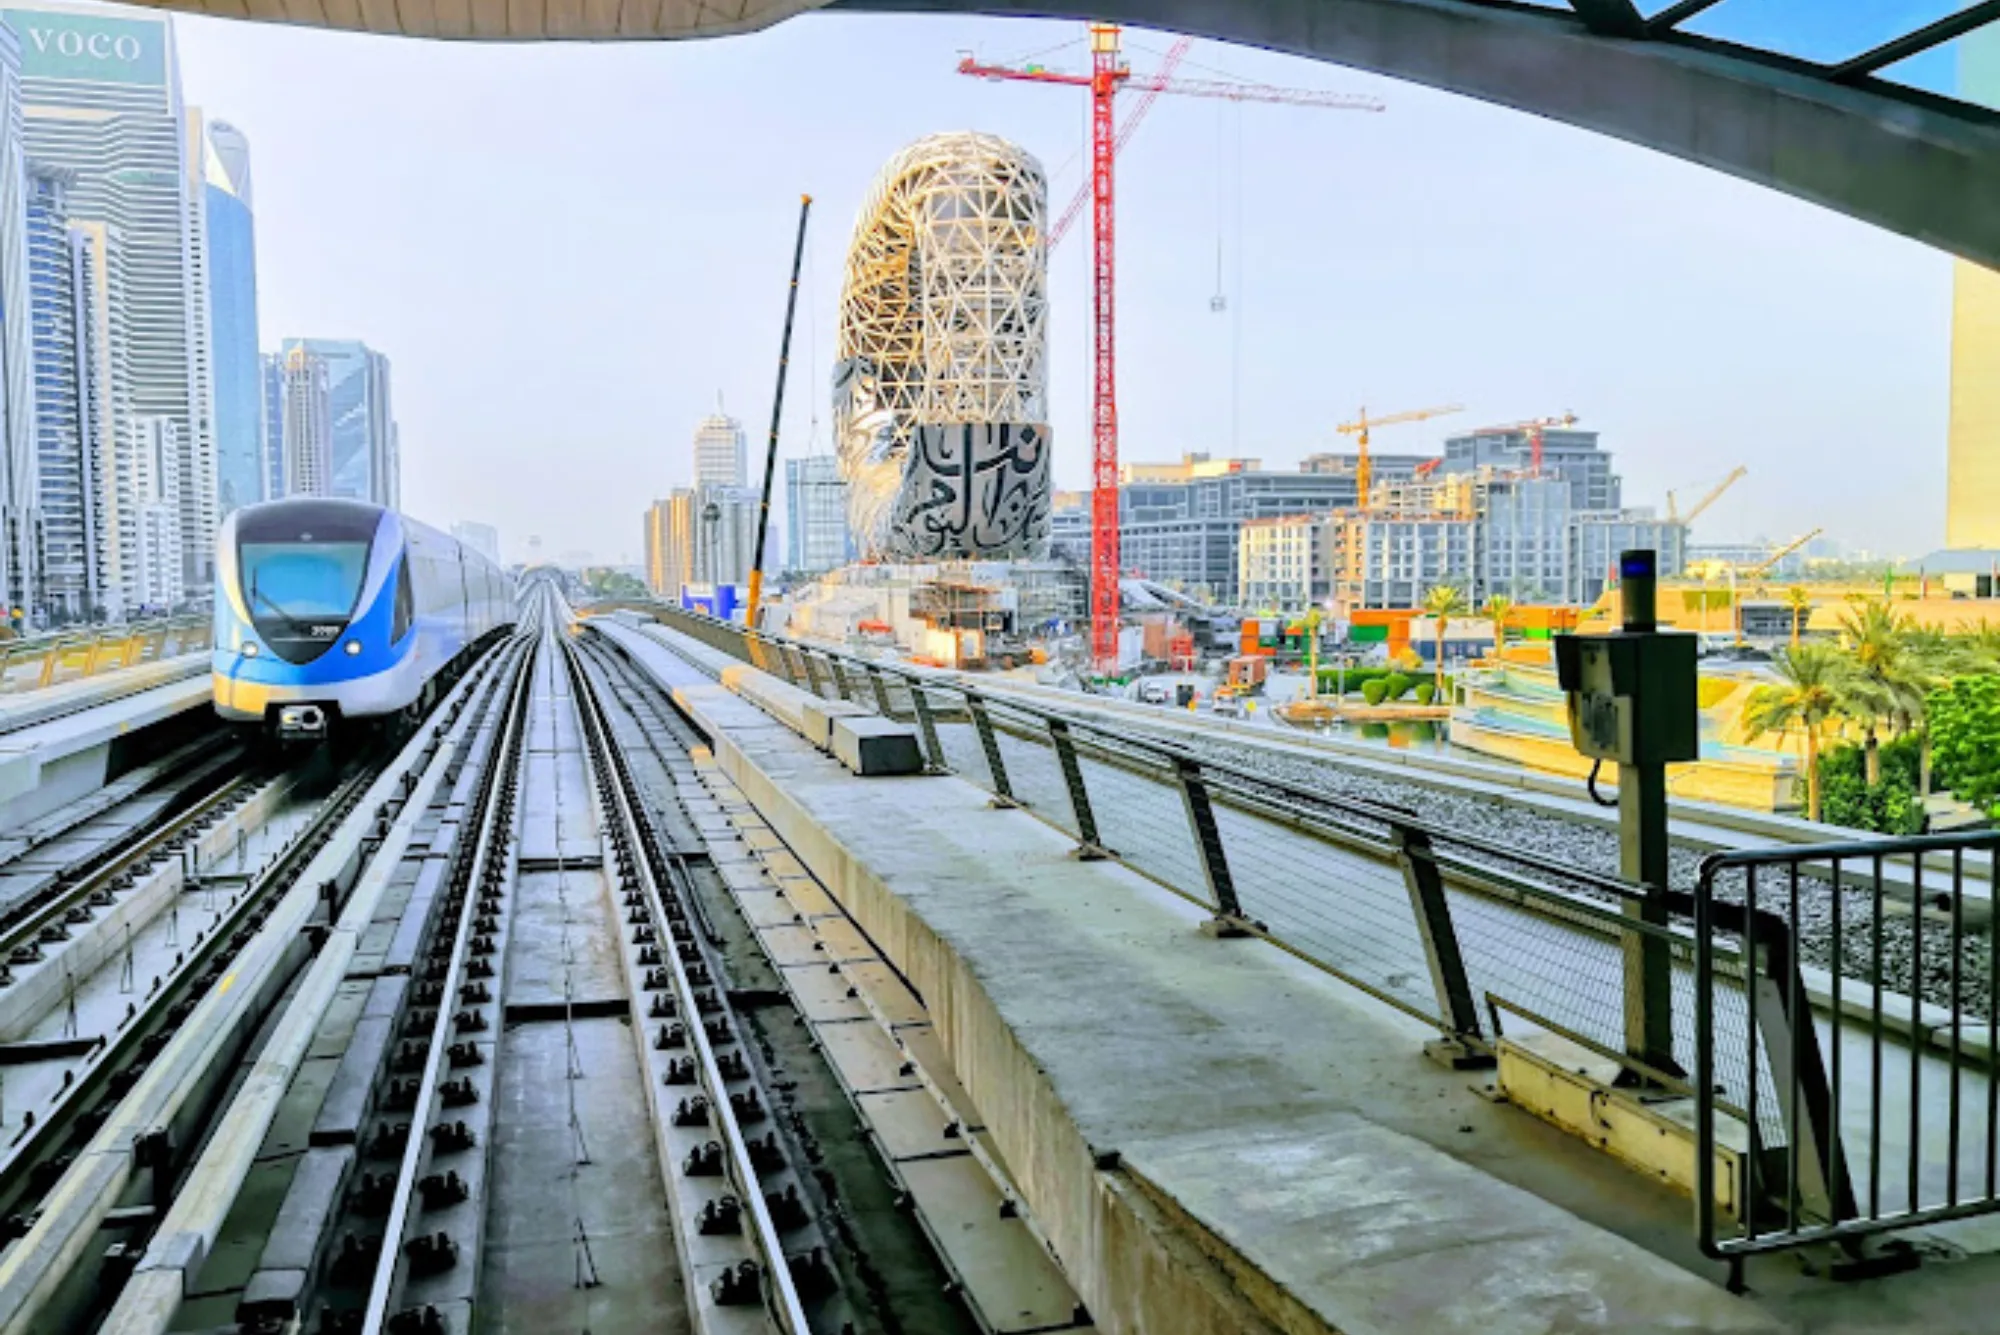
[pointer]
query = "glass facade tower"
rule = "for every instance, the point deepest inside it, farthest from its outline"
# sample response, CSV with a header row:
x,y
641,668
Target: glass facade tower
x,y
362,462
73,453
100,93
232,302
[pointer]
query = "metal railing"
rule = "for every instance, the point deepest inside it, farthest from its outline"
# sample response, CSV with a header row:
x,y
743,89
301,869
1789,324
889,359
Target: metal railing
x,y
1878,1108
46,660
1813,1076
1376,895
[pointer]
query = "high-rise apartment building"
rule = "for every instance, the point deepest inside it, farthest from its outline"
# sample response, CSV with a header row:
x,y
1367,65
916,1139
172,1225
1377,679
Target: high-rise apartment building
x,y
158,584
817,536
719,457
271,368
1573,456
1284,563
236,371
363,456
308,424
725,534
76,455
100,94
670,537
1972,475
110,400
481,538
20,501
1487,532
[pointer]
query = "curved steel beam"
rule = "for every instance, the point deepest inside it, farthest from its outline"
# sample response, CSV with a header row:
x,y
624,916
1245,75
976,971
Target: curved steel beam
x,y
1923,167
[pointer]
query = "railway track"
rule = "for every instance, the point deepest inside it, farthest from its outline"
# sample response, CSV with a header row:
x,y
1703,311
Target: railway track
x,y
140,1100
764,1249
73,896
492,1045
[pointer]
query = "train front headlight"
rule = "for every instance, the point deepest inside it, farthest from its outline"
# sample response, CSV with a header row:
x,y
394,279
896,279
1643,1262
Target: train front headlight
x,y
249,648
353,648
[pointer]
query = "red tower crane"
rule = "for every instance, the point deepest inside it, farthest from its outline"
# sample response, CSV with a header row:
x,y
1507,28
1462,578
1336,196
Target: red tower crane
x,y
1534,429
1108,74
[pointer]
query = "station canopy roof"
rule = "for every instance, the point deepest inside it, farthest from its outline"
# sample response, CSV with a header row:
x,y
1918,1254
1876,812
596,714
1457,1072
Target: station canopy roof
x,y
1945,48
511,20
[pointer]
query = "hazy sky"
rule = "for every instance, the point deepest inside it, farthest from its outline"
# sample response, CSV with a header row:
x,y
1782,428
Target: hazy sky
x,y
568,251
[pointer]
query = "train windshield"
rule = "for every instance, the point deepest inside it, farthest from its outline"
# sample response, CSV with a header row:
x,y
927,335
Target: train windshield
x,y
316,581
302,568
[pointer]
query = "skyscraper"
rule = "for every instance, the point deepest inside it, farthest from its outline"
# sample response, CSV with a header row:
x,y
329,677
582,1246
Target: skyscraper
x,y
272,366
100,94
817,537
719,452
670,540
363,457
308,425
232,302
157,583
1972,481
75,454
19,489
110,402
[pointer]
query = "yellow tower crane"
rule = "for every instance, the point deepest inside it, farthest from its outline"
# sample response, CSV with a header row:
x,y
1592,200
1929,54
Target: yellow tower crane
x,y
1715,494
1363,424
1764,566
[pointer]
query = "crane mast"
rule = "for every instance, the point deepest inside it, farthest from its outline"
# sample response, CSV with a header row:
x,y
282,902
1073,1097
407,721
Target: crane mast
x,y
1108,72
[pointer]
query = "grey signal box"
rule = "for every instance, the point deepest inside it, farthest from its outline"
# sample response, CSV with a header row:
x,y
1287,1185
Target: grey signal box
x,y
1631,696
1632,693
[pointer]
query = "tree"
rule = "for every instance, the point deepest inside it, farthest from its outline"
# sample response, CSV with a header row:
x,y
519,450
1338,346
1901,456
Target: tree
x,y
1444,602
1808,695
1800,601
1895,684
1499,607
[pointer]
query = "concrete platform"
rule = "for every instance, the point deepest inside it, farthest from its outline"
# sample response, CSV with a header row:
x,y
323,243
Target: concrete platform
x,y
1212,1136
56,750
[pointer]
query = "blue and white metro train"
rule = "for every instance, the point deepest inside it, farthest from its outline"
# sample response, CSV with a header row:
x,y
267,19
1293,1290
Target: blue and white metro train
x,y
331,610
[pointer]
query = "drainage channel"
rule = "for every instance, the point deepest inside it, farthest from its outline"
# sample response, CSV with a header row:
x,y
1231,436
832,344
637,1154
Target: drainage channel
x,y
931,1235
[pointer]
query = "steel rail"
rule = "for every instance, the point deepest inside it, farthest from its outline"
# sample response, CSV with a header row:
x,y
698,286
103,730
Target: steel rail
x,y
37,1143
376,1314
781,1296
27,927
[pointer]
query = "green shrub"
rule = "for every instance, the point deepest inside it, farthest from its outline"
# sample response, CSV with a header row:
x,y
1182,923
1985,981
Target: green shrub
x,y
1397,685
1889,807
1375,690
1426,692
1332,679
1964,721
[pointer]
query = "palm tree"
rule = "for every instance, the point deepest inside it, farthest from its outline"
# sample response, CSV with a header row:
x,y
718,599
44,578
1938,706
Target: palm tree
x,y
1800,601
1876,637
1812,691
1444,602
1499,607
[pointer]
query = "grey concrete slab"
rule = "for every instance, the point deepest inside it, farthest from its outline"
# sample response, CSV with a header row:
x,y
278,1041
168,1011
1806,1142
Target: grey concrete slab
x,y
564,935
909,1123
824,994
1004,1269
540,1194
868,1062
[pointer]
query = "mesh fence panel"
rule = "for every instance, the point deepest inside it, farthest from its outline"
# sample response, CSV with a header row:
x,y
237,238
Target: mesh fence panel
x,y
1347,909
1142,817
1032,769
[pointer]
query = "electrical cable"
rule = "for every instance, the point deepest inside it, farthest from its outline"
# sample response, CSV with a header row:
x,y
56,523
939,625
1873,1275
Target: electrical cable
x,y
1591,784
